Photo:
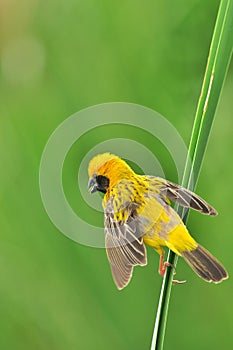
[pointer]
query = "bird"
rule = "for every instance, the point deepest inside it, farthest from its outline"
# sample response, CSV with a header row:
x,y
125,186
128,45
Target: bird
x,y
138,212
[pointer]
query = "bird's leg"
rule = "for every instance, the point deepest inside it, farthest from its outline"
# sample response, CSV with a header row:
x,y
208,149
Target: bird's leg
x,y
163,266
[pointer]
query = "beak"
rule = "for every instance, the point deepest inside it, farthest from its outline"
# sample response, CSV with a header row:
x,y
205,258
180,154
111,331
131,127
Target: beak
x,y
92,185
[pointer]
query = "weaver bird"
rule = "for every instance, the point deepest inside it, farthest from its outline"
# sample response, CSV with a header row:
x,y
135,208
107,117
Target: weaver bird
x,y
137,211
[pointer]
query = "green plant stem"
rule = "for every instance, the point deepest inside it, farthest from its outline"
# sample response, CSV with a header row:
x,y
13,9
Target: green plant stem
x,y
216,69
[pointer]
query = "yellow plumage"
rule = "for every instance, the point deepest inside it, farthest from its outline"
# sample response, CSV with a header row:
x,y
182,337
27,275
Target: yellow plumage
x,y
137,211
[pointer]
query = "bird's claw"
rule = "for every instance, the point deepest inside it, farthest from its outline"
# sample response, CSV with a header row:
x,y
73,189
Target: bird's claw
x,y
162,269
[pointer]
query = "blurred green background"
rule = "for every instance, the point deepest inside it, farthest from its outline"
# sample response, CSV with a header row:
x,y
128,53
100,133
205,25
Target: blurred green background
x,y
58,57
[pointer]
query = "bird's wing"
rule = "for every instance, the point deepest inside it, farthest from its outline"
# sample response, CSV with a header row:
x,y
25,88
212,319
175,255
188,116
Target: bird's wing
x,y
123,240
181,195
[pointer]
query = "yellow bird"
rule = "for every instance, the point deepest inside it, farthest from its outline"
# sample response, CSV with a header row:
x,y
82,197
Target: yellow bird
x,y
137,211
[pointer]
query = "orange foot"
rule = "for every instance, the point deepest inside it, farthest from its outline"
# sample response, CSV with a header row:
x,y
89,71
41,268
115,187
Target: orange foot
x,y
163,266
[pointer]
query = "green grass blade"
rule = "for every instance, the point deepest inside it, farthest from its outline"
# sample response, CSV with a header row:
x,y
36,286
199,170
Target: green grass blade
x,y
216,69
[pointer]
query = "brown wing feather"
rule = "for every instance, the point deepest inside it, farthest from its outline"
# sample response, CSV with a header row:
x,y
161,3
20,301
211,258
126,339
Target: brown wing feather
x,y
124,244
186,198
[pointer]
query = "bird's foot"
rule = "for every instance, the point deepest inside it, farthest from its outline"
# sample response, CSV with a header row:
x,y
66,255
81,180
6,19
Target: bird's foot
x,y
163,266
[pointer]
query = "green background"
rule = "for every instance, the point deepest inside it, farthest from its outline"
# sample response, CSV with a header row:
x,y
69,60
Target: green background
x,y
58,57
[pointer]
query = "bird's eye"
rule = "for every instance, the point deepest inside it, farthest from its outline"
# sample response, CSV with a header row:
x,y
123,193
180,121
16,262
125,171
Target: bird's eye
x,y
102,182
95,176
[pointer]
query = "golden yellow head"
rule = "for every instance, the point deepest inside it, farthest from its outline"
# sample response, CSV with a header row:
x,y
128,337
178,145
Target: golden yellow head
x,y
105,170
98,162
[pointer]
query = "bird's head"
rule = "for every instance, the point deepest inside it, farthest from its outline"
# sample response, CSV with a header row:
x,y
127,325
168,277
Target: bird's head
x,y
106,170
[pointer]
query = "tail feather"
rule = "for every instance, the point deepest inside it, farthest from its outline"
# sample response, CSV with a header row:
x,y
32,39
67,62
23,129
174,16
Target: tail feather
x,y
205,265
